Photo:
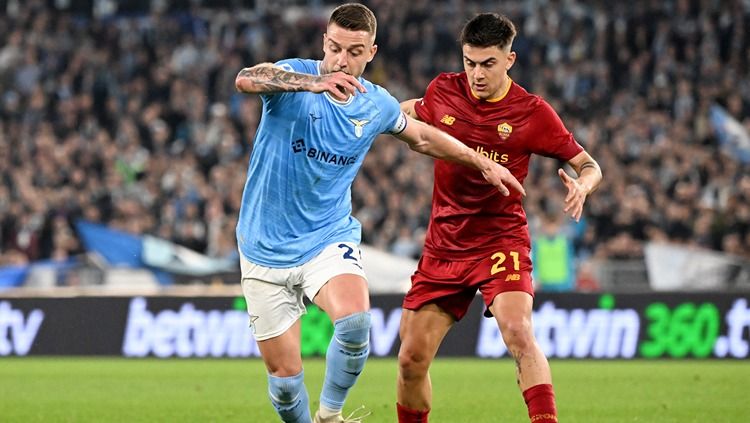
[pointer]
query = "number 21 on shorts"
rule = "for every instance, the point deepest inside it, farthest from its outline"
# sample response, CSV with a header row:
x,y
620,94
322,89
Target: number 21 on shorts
x,y
500,258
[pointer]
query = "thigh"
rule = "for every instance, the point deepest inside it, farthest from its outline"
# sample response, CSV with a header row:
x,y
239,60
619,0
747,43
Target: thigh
x,y
273,307
282,354
512,306
343,295
444,283
512,311
422,331
335,280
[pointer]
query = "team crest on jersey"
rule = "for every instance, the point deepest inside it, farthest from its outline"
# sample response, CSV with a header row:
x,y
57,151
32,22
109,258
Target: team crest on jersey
x,y
358,126
504,130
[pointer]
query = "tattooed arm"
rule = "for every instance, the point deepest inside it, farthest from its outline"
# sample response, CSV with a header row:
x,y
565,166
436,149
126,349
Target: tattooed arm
x,y
589,177
267,78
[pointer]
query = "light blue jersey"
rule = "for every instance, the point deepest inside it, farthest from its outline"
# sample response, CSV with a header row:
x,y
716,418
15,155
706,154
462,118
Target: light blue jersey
x,y
307,151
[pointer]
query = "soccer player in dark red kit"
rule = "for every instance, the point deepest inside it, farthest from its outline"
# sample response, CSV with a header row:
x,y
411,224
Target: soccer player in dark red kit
x,y
478,239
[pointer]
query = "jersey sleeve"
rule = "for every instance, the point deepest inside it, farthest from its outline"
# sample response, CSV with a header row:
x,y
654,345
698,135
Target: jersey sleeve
x,y
550,137
393,119
426,104
293,65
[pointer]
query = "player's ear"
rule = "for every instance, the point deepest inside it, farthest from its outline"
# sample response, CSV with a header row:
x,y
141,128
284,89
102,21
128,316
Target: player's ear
x,y
373,50
325,38
511,60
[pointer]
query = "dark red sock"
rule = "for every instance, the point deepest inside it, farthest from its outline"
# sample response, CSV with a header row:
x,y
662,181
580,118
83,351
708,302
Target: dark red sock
x,y
407,415
540,400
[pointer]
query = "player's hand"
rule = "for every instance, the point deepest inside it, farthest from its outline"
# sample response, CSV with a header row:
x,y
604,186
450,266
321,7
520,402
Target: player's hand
x,y
339,84
500,176
577,194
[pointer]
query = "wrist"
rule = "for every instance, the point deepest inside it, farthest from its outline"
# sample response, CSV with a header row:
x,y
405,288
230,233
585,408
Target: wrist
x,y
586,185
308,84
484,163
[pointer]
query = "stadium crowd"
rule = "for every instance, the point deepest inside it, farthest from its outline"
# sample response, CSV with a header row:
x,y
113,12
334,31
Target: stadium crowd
x,y
133,121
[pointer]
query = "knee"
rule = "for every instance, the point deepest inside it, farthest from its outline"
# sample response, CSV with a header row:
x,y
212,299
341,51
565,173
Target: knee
x,y
284,370
412,363
353,331
517,334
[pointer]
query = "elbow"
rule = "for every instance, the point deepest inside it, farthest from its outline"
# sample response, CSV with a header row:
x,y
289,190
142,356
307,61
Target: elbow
x,y
600,175
242,83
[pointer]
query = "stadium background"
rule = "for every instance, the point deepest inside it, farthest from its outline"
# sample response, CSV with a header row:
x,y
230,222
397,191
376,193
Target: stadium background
x,y
123,150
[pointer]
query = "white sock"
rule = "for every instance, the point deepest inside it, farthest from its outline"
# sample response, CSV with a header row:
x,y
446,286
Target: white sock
x,y
326,412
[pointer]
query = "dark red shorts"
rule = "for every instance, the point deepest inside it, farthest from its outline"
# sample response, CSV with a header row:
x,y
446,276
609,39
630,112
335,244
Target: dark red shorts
x,y
452,285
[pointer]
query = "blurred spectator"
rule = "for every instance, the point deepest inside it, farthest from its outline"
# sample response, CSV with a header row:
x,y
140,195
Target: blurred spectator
x,y
133,121
552,255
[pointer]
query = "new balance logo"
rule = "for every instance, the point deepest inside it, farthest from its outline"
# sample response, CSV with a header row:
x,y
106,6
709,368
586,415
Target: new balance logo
x,y
513,277
448,120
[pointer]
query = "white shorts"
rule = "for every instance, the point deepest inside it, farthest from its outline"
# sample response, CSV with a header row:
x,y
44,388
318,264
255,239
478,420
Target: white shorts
x,y
274,296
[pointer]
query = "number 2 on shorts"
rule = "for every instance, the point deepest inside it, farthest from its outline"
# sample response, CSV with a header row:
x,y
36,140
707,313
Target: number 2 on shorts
x,y
500,257
348,254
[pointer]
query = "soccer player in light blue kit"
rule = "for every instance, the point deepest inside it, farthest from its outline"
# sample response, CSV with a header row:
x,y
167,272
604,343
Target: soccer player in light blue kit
x,y
296,234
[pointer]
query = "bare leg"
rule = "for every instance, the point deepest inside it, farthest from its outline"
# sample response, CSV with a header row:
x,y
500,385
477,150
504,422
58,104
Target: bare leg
x,y
421,333
286,387
345,298
512,310
342,296
282,354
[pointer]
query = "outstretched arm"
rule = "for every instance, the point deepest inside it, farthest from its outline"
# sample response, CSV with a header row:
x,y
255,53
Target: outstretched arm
x,y
428,140
589,176
267,78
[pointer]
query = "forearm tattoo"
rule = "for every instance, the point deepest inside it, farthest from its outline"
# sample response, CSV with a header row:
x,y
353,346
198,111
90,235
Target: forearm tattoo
x,y
588,164
272,79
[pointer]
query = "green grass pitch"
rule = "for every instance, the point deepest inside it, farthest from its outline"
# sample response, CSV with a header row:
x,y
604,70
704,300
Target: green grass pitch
x,y
465,390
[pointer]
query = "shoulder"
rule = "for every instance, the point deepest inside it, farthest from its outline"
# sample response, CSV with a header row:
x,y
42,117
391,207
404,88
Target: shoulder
x,y
386,107
536,108
454,82
377,94
534,104
519,94
308,66
373,88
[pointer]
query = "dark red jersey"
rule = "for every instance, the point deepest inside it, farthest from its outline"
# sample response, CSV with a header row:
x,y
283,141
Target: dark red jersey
x,y
469,216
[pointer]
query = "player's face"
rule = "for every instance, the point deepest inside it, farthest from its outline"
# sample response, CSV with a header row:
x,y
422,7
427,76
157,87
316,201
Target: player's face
x,y
347,51
487,69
